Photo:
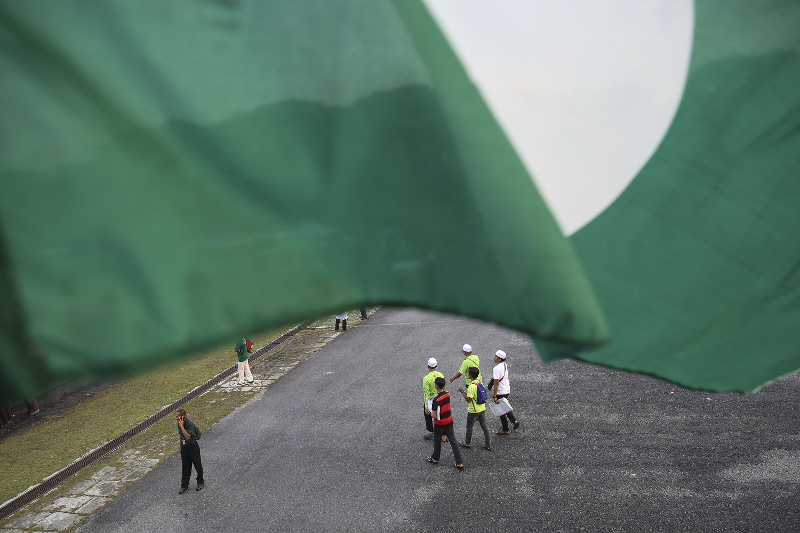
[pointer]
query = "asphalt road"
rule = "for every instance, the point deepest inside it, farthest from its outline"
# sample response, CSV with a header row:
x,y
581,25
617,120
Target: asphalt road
x,y
337,445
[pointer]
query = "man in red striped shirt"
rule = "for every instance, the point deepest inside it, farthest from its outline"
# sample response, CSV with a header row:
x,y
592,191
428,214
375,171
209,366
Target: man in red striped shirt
x,y
443,424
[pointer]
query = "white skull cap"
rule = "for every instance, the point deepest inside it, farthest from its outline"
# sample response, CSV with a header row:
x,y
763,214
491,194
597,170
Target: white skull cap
x,y
501,354
467,348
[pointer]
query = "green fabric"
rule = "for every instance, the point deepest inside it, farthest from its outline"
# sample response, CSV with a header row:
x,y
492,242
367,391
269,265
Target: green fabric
x,y
188,425
696,264
428,385
174,173
472,394
470,361
241,350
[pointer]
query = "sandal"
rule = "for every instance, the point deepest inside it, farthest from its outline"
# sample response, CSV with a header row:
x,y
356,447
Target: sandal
x,y
501,432
516,426
463,444
432,461
444,438
485,447
460,467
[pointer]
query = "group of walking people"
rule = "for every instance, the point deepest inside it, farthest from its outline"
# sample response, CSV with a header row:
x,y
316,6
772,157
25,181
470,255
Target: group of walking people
x,y
437,408
438,415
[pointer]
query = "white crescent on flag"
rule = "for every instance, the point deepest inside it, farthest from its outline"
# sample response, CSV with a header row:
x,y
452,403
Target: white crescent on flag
x,y
585,91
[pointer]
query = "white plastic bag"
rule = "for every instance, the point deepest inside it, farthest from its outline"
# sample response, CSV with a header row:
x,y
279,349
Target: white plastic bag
x,y
500,408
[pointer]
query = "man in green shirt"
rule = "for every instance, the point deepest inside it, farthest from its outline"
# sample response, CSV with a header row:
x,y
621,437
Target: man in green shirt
x,y
475,410
469,360
190,452
429,391
242,354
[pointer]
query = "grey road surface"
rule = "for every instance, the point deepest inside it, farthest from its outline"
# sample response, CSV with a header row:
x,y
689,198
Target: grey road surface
x,y
337,445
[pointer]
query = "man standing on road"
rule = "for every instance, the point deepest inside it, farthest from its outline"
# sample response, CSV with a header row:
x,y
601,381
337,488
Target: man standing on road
x,y
243,354
475,410
190,452
429,391
469,360
443,424
502,388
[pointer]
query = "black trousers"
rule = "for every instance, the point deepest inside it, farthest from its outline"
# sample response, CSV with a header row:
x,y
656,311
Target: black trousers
x,y
190,455
428,422
447,430
508,416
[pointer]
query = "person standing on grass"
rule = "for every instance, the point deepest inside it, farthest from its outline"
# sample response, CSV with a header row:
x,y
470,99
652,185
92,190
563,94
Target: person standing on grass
x,y
31,404
5,412
502,388
475,411
190,452
429,391
469,360
443,424
243,354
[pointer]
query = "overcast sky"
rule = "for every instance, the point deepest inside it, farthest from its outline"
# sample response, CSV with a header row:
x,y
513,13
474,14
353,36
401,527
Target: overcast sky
x,y
585,89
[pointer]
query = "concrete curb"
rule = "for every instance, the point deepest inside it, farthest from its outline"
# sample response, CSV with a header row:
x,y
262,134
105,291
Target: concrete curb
x,y
52,482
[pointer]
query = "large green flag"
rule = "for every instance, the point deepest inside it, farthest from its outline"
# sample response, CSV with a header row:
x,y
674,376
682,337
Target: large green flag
x,y
698,103
175,174
696,263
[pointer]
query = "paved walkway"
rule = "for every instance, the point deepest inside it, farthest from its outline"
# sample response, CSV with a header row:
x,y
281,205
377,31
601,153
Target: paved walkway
x,y
337,445
89,496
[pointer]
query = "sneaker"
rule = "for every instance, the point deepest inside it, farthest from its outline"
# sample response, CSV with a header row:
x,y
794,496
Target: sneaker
x,y
200,486
183,489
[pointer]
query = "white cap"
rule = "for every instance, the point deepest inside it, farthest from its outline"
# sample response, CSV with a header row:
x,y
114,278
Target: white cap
x,y
467,348
432,362
501,354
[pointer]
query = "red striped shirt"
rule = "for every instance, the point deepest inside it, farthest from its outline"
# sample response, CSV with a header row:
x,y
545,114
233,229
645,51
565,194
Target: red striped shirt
x,y
442,401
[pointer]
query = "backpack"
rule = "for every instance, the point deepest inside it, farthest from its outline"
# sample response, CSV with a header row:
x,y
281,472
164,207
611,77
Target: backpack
x,y
482,395
249,345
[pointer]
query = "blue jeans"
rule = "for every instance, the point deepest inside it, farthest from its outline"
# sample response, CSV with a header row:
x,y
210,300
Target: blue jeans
x,y
482,421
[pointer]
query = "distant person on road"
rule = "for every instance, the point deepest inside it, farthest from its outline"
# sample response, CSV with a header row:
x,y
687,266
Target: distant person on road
x,y
190,452
443,424
469,360
475,410
363,313
243,348
429,391
502,388
341,318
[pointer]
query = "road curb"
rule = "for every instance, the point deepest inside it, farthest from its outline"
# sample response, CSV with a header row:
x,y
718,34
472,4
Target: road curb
x,y
50,483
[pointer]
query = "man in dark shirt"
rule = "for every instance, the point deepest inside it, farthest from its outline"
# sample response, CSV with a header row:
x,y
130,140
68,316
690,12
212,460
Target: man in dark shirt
x,y
243,355
443,423
190,452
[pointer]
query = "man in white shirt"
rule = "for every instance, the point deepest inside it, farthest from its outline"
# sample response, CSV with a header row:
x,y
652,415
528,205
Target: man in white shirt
x,y
502,388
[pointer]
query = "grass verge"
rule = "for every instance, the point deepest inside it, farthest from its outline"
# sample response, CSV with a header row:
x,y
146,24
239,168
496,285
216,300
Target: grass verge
x,y
33,455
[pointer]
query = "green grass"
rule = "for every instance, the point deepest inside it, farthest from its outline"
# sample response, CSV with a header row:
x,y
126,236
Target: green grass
x,y
28,458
